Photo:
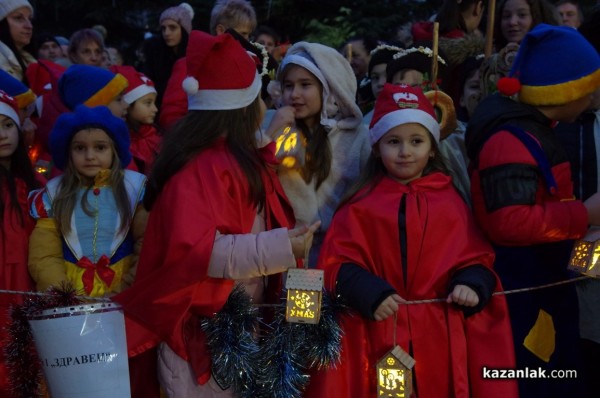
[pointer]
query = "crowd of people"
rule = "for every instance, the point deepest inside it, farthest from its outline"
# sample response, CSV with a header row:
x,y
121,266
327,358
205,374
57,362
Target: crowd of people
x,y
426,176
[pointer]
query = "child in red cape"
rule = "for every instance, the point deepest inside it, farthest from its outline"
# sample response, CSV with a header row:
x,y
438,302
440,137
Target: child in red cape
x,y
140,96
16,179
219,218
404,234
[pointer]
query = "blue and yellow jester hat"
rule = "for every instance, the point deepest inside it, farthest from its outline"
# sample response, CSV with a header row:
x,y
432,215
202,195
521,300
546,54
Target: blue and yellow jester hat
x,y
16,89
555,65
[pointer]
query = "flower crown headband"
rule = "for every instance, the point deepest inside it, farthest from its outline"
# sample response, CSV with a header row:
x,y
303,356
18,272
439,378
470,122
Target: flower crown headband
x,y
265,58
423,50
385,47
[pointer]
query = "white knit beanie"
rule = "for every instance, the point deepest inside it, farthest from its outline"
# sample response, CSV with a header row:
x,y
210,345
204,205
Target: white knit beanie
x,y
8,6
183,14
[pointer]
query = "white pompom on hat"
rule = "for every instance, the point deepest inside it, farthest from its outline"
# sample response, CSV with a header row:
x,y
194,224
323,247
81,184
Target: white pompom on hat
x,y
8,6
183,14
401,104
221,74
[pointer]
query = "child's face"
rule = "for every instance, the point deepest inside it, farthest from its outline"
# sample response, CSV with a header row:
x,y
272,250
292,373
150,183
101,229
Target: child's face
x,y
118,106
410,77
570,111
144,109
515,20
471,93
303,91
378,77
9,139
91,151
268,41
405,150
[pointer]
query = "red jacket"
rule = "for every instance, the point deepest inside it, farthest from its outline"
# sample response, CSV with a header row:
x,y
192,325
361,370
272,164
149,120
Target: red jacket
x,y
175,102
14,275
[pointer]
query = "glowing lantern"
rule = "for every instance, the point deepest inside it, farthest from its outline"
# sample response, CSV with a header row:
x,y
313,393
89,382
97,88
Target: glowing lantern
x,y
304,290
584,257
394,374
290,147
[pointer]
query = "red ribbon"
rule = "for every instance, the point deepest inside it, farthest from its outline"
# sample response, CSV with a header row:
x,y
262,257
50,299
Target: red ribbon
x,y
105,273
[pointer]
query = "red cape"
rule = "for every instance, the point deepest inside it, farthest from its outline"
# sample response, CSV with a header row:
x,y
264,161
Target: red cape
x,y
172,289
145,144
441,238
14,275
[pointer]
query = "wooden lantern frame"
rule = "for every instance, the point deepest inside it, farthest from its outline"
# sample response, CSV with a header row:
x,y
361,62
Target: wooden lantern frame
x,y
304,295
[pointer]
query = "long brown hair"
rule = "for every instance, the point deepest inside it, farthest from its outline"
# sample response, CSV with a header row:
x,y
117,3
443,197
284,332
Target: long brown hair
x,y
64,203
198,130
20,168
318,150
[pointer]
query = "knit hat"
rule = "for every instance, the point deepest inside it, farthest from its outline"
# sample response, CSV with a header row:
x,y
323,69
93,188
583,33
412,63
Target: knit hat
x,y
182,14
16,89
221,74
69,124
401,104
339,83
9,107
45,38
8,6
139,84
555,65
89,85
419,57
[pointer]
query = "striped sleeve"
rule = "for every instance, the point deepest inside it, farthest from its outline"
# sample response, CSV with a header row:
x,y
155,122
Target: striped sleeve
x,y
39,204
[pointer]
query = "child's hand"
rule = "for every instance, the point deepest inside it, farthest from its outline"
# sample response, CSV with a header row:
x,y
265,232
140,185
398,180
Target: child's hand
x,y
285,116
463,295
301,238
388,307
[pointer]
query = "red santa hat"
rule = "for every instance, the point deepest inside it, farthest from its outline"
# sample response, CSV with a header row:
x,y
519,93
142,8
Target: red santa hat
x,y
221,74
401,104
9,108
139,84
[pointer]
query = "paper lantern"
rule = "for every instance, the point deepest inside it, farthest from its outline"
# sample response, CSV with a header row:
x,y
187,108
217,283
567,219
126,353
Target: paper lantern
x,y
394,374
584,257
290,147
304,292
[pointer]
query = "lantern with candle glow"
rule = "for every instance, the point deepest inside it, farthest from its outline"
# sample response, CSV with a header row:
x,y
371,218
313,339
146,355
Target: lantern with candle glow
x,y
290,147
584,257
394,374
304,292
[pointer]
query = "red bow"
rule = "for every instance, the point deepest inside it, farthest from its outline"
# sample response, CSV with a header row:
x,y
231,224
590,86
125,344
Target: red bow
x,y
101,267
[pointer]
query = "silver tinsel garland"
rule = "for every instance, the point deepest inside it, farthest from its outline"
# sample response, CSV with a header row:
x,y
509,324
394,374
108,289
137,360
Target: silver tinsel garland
x,y
274,361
